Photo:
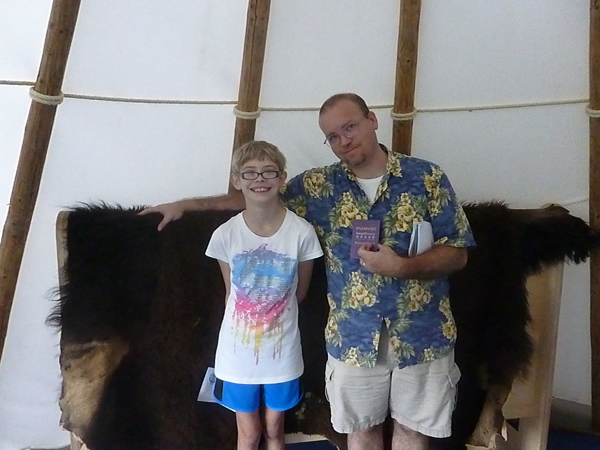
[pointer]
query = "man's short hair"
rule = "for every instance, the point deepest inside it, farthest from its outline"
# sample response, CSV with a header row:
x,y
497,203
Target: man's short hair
x,y
354,98
257,150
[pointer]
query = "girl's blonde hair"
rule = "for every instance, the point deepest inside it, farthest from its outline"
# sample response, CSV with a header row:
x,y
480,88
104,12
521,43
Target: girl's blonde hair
x,y
256,150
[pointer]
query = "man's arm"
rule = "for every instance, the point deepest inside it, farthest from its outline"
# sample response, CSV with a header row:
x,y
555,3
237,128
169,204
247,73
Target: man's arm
x,y
440,261
174,210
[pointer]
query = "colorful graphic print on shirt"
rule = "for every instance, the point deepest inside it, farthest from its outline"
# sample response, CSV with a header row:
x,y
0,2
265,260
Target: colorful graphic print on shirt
x,y
262,280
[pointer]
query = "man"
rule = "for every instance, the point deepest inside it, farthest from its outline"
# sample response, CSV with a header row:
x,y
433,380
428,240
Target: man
x,y
390,334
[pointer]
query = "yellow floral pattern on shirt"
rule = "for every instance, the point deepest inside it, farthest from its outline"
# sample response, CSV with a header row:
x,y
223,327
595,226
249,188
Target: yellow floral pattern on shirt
x,y
406,214
347,211
448,327
360,291
438,196
316,184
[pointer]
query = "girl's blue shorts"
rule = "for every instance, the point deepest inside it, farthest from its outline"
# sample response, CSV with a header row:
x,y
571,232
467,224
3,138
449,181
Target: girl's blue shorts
x,y
248,397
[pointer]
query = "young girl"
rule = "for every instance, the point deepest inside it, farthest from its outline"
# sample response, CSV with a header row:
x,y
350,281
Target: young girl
x,y
265,254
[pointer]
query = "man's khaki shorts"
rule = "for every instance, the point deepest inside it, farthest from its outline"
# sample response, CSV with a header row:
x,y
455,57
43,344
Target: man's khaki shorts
x,y
420,397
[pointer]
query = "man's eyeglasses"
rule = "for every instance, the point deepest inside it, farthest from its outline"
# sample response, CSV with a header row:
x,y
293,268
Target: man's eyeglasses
x,y
349,132
267,175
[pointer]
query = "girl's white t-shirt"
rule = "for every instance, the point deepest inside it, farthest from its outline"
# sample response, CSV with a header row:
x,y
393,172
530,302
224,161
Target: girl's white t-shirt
x,y
259,340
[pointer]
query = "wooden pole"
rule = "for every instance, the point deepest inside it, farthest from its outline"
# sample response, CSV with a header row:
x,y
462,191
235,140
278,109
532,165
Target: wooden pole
x,y
406,74
257,22
594,205
38,129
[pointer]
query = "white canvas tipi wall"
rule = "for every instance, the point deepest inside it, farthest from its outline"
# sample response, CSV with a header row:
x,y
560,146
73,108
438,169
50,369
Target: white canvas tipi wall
x,y
114,141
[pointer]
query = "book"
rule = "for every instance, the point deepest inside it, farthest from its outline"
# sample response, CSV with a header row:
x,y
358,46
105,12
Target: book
x,y
364,232
421,238
206,390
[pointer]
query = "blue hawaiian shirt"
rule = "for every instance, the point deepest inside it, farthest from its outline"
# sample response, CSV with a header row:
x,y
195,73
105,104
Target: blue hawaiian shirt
x,y
416,312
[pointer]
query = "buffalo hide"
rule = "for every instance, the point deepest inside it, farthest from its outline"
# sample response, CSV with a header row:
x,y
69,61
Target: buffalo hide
x,y
139,314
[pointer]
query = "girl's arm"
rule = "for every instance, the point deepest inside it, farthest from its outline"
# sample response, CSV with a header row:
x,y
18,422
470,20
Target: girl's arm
x,y
305,269
226,272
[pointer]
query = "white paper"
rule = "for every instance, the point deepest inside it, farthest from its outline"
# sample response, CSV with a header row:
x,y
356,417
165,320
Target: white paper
x,y
421,238
206,390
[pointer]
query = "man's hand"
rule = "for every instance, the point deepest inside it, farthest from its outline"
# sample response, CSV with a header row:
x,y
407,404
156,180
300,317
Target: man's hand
x,y
173,211
169,211
382,262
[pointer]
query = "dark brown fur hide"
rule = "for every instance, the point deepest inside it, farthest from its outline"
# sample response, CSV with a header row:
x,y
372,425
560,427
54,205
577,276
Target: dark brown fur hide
x,y
141,310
